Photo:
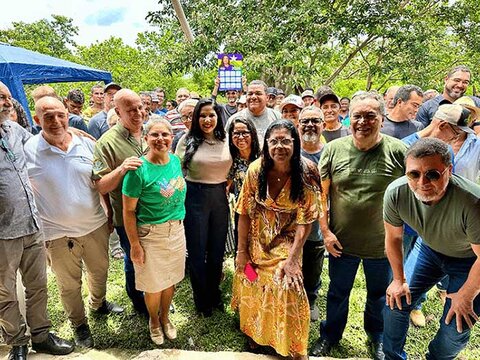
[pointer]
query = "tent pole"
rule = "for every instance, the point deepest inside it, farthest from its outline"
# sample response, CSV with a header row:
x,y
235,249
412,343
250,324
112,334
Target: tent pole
x,y
182,19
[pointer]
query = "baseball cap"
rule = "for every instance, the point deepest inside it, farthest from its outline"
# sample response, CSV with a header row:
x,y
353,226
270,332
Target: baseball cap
x,y
154,96
307,93
242,100
112,85
467,102
280,92
272,91
293,100
455,114
329,96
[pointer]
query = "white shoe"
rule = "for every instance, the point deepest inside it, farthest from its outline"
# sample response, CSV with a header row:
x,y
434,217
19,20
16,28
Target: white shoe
x,y
157,336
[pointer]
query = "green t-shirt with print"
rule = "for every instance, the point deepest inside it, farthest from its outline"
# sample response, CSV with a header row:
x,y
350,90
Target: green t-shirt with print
x,y
358,182
160,190
449,226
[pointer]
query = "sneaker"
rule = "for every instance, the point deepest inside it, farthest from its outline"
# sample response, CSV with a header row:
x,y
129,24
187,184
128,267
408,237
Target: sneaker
x,y
83,336
108,308
53,345
417,318
314,313
378,353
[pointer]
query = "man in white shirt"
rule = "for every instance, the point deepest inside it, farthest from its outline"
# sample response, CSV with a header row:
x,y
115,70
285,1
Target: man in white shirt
x,y
59,167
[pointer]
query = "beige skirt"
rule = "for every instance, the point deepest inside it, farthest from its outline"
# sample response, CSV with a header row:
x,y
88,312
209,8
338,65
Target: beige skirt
x,y
164,247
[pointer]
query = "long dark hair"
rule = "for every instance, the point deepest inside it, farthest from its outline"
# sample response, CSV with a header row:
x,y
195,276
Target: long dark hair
x,y
195,136
255,145
296,165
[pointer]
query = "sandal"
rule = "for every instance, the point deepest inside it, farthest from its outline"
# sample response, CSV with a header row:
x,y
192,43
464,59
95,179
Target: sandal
x,y
118,253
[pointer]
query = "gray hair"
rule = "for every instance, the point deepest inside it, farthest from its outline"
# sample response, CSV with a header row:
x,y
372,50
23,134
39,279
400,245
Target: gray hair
x,y
188,102
462,68
430,147
311,108
366,95
404,93
259,82
157,119
146,93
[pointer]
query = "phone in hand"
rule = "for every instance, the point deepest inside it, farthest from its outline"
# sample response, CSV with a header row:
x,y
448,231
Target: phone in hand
x,y
250,272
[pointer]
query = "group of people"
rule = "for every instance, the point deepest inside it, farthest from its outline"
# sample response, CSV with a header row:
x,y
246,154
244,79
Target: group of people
x,y
387,181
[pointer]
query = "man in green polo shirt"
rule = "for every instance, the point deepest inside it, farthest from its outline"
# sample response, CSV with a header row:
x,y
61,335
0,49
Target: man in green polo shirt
x,y
355,172
116,152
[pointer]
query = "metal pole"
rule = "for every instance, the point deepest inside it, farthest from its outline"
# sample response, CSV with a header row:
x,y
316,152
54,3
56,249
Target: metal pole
x,y
183,20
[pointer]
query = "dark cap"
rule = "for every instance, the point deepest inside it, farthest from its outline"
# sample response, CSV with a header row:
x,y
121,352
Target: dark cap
x,y
330,96
272,91
112,85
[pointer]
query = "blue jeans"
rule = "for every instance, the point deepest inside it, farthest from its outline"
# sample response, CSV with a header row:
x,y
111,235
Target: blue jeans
x,y
342,272
429,268
411,246
135,296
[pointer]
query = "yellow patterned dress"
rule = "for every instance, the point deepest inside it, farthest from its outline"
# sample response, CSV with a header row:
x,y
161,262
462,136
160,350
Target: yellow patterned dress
x,y
269,314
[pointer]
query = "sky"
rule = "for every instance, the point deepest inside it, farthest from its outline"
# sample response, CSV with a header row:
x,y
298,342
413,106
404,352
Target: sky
x,y
95,19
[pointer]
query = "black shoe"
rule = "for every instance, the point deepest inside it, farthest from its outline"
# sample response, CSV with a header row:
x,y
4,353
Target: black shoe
x,y
53,346
108,308
378,351
83,336
18,353
321,347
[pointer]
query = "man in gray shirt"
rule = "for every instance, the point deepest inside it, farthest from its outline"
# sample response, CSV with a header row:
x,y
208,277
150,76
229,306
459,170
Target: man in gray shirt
x,y
21,247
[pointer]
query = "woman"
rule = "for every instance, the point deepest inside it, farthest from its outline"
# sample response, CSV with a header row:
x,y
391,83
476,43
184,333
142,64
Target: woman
x,y
153,210
171,104
244,148
225,64
206,161
19,115
277,205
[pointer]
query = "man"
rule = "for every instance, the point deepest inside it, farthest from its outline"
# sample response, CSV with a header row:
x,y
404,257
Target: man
x,y
429,94
271,97
310,129
173,116
154,106
75,228
355,172
344,114
443,209
96,97
21,247
307,97
116,152
98,125
147,103
241,103
333,128
186,110
74,103
456,84
389,96
232,96
257,110
161,99
400,122
279,98
291,107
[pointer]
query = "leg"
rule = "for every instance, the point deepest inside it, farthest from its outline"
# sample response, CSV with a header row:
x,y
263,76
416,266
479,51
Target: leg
x,y
448,342
11,321
135,296
342,271
152,301
217,237
95,257
409,264
312,269
65,256
378,275
423,275
165,301
196,234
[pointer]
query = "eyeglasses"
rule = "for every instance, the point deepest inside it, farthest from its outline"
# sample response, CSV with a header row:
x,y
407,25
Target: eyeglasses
x,y
157,135
10,154
314,121
187,118
430,175
282,142
244,134
453,130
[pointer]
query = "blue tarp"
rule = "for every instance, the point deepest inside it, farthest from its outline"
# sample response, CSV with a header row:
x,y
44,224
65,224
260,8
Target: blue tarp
x,y
19,66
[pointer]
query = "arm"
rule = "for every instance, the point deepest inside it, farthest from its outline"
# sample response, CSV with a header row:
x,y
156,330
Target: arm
x,y
108,209
130,223
215,88
110,181
393,247
332,245
243,255
462,300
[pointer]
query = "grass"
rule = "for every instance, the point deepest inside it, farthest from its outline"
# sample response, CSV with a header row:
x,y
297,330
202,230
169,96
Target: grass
x,y
129,332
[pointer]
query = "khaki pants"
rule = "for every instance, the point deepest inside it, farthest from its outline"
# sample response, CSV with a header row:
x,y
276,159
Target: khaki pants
x,y
67,256
26,254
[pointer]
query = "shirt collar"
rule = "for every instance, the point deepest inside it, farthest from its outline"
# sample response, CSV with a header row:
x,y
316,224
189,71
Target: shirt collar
x,y
44,145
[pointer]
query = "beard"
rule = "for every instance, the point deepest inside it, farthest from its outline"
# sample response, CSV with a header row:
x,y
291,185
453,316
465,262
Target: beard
x,y
310,137
454,94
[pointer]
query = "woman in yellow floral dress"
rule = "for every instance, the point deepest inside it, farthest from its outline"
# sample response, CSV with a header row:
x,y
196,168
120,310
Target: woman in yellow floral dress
x,y
277,205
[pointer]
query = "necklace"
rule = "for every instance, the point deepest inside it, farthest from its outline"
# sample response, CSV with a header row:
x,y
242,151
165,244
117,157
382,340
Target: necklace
x,y
210,142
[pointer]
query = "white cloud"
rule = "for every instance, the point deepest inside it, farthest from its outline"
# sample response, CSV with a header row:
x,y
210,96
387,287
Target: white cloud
x,y
96,20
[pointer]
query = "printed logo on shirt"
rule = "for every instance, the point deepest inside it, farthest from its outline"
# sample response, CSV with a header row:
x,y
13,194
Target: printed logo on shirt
x,y
167,188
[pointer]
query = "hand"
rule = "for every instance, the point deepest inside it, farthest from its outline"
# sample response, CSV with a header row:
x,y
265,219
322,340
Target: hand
x,y
137,255
130,163
78,132
395,291
217,82
244,82
332,245
462,308
243,257
292,274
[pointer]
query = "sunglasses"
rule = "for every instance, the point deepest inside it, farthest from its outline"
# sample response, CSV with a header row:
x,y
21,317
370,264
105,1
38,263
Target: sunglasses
x,y
430,175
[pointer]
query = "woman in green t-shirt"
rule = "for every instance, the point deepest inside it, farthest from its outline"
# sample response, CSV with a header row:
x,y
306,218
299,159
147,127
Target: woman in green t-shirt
x,y
153,213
